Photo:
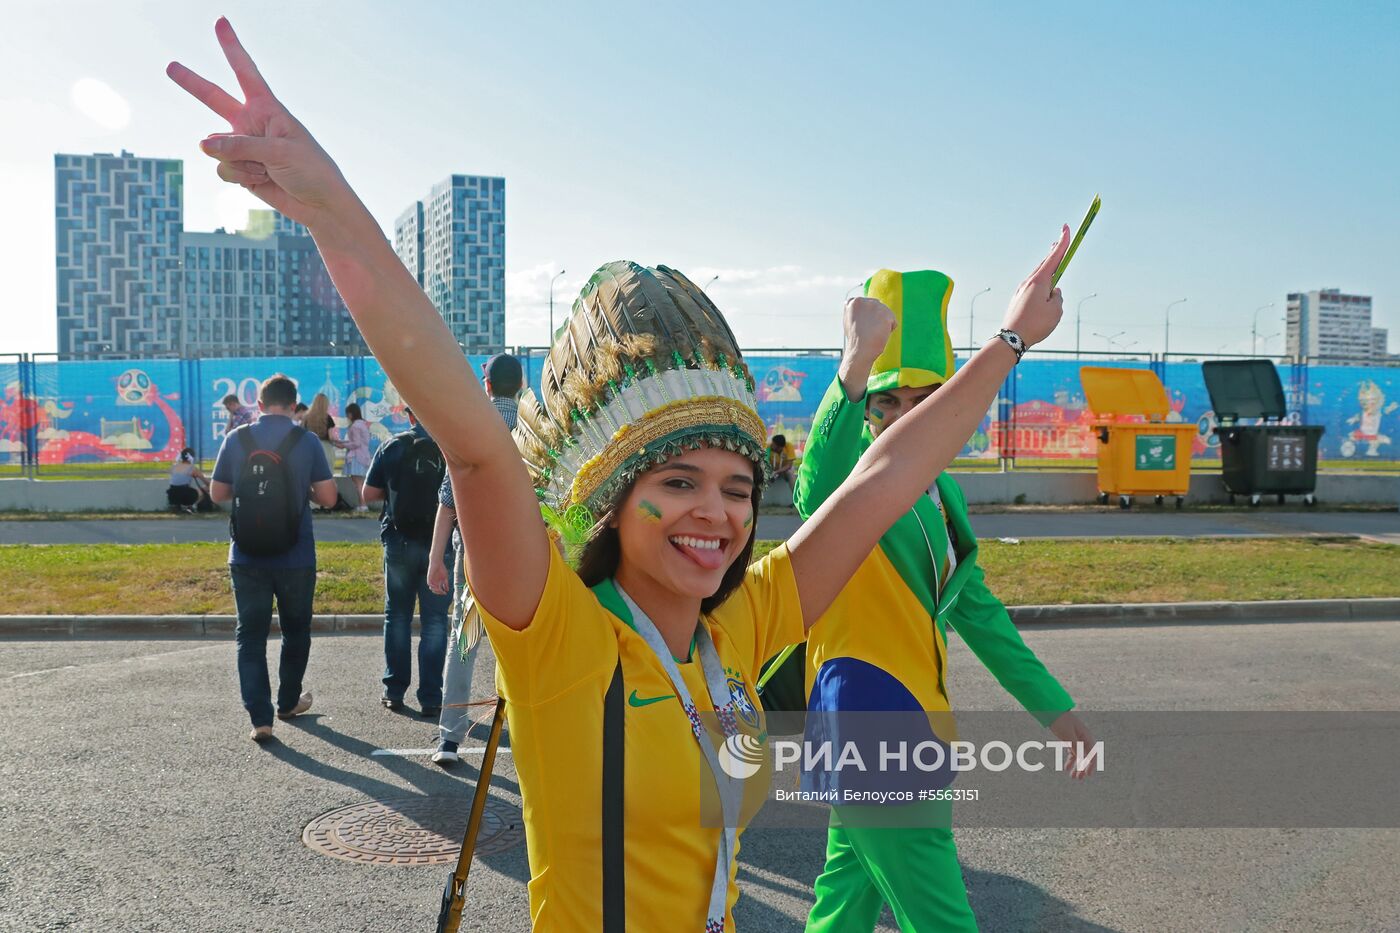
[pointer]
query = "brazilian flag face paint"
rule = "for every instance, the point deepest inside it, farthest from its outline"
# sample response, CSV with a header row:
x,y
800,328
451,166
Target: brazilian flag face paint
x,y
920,351
648,512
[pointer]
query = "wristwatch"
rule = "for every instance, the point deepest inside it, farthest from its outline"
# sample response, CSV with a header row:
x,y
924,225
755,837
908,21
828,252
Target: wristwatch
x,y
1014,341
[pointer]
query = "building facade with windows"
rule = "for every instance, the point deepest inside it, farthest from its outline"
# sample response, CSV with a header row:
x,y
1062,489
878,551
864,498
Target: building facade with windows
x,y
231,294
454,244
118,221
262,291
1328,324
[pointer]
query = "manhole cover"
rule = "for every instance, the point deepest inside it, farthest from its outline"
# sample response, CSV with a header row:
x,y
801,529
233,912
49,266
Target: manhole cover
x,y
411,830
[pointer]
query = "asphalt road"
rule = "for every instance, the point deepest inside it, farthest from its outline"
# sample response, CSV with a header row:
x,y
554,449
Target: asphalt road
x,y
131,799
1089,523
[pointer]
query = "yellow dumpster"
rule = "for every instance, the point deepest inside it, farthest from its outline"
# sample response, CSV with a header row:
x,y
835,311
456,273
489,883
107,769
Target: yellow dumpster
x,y
1140,453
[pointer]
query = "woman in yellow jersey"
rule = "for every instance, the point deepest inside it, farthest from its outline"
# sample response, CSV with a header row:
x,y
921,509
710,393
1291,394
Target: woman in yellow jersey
x,y
646,450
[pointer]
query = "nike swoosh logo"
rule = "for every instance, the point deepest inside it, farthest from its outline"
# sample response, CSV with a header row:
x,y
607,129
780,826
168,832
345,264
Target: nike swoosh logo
x,y
635,700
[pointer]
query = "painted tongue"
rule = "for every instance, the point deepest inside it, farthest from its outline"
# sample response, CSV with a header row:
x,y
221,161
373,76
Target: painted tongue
x,y
709,558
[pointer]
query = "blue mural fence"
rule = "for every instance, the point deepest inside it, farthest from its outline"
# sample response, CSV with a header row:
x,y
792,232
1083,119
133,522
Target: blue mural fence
x,y
100,416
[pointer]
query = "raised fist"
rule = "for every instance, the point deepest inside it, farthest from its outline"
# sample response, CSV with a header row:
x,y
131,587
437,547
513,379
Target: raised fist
x,y
868,324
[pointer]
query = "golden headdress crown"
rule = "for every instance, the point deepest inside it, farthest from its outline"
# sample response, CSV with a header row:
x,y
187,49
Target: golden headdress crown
x,y
645,367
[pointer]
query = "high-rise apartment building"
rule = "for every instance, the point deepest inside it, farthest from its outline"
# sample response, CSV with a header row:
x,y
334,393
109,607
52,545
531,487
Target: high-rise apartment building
x,y
231,294
1380,343
1327,324
262,291
118,220
454,243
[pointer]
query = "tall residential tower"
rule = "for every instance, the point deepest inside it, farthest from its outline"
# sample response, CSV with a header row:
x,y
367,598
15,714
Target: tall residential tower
x,y
454,243
118,220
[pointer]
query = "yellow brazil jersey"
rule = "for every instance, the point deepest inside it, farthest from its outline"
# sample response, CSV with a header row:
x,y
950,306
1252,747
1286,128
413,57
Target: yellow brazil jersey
x,y
877,618
554,675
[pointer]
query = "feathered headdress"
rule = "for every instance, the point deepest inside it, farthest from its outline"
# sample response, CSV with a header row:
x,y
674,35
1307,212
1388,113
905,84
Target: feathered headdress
x,y
645,367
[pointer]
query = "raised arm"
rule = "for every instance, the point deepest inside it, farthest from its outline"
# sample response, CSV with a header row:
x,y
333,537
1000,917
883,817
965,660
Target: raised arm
x,y
835,443
905,458
272,155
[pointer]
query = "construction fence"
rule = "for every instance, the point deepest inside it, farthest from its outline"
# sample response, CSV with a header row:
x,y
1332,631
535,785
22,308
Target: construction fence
x,y
65,417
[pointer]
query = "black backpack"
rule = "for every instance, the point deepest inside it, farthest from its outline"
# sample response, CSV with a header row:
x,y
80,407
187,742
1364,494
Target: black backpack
x,y
266,501
413,498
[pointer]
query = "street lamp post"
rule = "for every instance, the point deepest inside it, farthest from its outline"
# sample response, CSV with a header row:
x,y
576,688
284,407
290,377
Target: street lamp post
x,y
1167,337
1077,320
1110,340
1254,330
713,280
549,339
971,311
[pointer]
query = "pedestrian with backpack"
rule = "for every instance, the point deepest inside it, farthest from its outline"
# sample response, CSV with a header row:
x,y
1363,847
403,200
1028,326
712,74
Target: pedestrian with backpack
x,y
406,474
268,470
502,377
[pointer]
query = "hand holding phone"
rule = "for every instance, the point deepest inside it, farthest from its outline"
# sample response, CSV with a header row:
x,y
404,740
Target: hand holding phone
x,y
1074,244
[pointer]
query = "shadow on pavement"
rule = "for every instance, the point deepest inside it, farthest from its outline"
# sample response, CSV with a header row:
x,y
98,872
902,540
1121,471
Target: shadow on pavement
x,y
426,777
1000,902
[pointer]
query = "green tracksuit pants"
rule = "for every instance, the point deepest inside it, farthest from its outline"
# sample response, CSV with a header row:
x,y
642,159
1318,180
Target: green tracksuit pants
x,y
913,868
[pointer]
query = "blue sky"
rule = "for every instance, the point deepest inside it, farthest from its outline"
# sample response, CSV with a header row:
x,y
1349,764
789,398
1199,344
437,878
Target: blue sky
x,y
1242,150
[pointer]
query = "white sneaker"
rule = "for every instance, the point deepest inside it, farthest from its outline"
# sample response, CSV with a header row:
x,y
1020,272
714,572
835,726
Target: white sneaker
x,y
361,508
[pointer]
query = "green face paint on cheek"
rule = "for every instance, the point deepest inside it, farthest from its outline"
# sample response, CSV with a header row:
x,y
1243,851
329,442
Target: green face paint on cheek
x,y
748,521
649,512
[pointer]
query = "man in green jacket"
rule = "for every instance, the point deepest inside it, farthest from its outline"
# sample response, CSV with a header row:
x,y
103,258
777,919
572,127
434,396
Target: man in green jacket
x,y
890,656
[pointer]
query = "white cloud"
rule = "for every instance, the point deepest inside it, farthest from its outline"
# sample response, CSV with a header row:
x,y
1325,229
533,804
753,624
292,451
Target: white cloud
x,y
97,101
773,280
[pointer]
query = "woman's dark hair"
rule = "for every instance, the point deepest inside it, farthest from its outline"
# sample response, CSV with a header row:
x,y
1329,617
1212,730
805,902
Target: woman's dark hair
x,y
301,407
352,411
603,552
187,455
779,440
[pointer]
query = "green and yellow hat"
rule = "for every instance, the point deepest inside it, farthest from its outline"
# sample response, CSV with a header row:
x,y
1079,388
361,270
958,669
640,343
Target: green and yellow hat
x,y
920,351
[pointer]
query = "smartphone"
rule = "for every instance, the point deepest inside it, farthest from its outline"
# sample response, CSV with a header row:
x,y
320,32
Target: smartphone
x,y
1074,243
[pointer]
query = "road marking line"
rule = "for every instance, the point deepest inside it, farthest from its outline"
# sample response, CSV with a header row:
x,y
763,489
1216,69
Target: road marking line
x,y
48,670
144,657
424,752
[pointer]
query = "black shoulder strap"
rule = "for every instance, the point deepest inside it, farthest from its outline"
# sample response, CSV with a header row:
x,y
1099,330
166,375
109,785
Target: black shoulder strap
x,y
289,443
614,781
245,440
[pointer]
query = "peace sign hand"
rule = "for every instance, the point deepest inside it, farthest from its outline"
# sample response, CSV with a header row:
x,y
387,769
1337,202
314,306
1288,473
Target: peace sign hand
x,y
267,151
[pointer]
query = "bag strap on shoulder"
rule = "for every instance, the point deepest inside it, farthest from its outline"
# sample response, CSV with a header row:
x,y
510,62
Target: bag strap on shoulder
x,y
289,442
614,780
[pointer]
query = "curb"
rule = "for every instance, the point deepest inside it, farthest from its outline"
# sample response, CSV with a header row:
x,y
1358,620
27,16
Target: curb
x,y
205,626
1273,610
222,626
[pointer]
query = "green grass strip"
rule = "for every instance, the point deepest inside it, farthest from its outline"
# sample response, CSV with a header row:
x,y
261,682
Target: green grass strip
x,y
184,579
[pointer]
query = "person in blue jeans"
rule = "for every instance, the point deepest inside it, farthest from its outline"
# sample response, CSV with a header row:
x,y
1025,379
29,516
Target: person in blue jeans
x,y
406,577
502,376
289,577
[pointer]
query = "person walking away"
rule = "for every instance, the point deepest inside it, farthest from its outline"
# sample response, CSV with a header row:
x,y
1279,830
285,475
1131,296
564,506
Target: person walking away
x,y
406,474
267,469
189,486
502,376
238,413
357,457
